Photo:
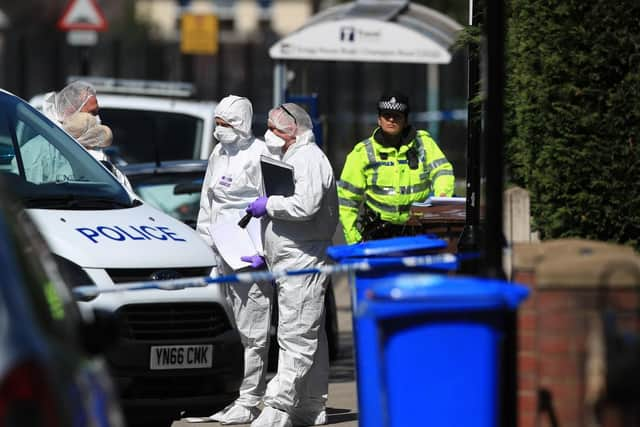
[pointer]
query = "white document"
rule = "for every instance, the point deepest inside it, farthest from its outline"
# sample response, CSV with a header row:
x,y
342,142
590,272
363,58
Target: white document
x,y
233,242
439,201
254,228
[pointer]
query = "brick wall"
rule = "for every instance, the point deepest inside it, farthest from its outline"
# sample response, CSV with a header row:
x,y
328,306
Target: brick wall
x,y
570,281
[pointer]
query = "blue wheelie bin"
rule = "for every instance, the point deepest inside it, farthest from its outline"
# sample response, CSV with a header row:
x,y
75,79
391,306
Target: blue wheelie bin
x,y
388,259
437,349
386,256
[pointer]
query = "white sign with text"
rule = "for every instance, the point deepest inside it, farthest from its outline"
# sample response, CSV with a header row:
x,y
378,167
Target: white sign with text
x,y
363,40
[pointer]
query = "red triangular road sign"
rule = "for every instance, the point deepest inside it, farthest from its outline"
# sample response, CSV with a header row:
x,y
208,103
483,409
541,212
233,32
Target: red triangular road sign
x,y
82,15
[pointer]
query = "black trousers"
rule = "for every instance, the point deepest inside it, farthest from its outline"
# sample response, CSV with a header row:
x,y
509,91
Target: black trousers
x,y
380,229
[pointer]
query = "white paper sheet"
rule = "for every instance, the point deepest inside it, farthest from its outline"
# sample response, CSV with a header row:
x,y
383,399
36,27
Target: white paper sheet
x,y
254,228
439,201
233,242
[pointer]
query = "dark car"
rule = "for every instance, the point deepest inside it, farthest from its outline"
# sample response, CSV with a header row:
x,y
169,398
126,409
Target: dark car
x,y
50,370
174,187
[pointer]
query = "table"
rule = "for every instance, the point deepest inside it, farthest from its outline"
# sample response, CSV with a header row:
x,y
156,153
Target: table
x,y
445,221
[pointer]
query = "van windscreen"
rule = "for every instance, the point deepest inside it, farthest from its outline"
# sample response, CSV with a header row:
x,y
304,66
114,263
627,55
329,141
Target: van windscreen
x,y
150,136
45,168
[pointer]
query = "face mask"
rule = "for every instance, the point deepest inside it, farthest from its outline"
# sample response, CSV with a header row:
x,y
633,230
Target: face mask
x,y
226,136
273,141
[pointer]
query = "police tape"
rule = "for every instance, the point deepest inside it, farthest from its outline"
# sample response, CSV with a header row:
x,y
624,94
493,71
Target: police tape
x,y
435,262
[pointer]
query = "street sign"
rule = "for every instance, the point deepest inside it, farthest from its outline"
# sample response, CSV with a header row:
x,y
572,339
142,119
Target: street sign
x,y
82,15
82,38
199,34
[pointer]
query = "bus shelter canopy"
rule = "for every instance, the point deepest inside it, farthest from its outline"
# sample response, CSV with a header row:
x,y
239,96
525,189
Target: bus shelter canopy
x,y
372,31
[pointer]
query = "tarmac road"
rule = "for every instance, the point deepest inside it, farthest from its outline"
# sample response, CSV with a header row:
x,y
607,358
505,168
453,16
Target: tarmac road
x,y
342,408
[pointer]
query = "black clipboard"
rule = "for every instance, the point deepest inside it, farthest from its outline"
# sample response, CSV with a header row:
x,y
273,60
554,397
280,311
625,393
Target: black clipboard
x,y
277,177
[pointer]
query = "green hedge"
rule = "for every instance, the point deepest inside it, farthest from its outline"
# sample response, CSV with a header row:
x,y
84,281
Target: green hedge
x,y
573,115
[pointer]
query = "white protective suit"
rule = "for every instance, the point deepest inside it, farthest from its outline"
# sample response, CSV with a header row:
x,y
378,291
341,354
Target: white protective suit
x,y
297,231
232,181
42,162
66,108
93,136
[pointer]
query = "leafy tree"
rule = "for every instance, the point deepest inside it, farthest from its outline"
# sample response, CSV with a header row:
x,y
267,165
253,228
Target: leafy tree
x,y
573,115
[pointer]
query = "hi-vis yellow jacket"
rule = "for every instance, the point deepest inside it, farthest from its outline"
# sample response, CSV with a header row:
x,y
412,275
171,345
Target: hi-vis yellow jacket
x,y
380,177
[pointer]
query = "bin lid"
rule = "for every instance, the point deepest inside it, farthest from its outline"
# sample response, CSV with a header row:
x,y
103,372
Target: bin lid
x,y
446,293
395,247
440,262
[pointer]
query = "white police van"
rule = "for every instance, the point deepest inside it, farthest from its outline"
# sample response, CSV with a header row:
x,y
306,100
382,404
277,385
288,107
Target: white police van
x,y
152,121
178,350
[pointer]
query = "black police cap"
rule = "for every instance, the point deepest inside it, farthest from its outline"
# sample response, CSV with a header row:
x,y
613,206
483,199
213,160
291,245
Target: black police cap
x,y
394,101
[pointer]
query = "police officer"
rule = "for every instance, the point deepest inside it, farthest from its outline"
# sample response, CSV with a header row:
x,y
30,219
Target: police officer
x,y
384,174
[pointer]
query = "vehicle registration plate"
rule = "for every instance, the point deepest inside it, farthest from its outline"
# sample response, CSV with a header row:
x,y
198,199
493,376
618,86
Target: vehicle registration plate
x,y
181,357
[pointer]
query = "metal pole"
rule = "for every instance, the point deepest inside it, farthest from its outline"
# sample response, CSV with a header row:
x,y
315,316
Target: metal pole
x,y
22,62
187,67
433,98
471,235
220,80
493,137
248,63
279,82
116,51
85,66
494,239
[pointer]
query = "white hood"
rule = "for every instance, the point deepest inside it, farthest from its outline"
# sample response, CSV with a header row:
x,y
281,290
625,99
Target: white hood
x,y
140,237
238,112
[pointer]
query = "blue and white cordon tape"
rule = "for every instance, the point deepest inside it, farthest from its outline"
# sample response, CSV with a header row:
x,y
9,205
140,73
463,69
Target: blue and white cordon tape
x,y
440,261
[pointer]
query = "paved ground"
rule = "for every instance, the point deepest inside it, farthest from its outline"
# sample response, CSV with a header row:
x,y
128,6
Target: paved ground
x,y
342,408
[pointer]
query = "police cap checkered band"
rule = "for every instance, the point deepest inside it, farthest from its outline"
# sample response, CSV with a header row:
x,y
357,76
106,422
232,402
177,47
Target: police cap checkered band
x,y
393,102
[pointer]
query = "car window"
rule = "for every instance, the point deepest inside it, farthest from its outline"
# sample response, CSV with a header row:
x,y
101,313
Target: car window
x,y
175,194
46,167
147,136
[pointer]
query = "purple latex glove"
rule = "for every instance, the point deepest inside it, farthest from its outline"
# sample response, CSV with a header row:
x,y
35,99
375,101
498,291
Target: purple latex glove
x,y
256,261
258,207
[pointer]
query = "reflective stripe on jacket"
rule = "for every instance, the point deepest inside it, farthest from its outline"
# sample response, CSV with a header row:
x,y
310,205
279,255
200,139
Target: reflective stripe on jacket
x,y
380,176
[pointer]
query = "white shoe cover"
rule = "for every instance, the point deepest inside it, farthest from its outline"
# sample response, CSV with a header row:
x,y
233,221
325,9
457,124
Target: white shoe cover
x,y
271,417
220,414
235,414
307,418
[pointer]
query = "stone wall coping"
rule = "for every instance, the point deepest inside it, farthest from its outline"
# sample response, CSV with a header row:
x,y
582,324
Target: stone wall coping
x,y
590,271
527,256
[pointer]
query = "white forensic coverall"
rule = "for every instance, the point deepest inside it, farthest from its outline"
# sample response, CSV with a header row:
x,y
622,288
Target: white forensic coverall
x,y
297,231
94,136
232,181
66,109
42,162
